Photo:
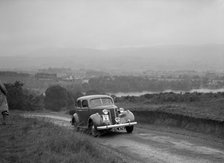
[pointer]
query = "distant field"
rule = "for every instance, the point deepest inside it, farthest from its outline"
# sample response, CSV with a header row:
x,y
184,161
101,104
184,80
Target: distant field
x,y
30,140
207,109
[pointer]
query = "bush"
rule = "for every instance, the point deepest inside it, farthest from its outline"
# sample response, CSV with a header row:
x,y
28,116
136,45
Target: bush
x,y
15,97
93,92
21,99
170,97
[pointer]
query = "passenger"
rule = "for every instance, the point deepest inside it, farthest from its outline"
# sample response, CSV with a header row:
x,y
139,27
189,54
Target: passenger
x,y
4,110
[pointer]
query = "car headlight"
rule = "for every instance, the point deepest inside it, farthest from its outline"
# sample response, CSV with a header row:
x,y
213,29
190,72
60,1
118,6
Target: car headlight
x,y
121,110
105,111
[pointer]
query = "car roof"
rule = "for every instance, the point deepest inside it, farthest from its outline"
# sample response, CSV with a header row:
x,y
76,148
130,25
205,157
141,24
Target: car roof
x,y
93,96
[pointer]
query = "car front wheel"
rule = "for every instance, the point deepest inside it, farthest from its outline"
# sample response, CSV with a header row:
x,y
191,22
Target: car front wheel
x,y
92,130
129,129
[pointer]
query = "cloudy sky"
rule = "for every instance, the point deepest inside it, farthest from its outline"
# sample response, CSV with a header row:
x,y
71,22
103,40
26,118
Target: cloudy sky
x,y
27,25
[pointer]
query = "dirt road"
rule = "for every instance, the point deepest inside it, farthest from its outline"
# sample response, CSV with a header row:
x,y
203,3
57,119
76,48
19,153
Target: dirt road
x,y
155,144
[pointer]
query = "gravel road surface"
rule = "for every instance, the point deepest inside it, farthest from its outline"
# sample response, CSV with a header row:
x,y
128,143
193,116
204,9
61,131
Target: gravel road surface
x,y
154,144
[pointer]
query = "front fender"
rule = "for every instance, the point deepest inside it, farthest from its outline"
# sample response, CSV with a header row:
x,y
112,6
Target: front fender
x,y
96,119
127,116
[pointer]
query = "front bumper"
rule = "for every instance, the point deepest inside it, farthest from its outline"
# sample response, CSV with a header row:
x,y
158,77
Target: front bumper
x,y
116,125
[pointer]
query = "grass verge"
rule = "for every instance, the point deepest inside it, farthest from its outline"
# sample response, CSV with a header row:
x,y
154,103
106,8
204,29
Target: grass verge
x,y
30,140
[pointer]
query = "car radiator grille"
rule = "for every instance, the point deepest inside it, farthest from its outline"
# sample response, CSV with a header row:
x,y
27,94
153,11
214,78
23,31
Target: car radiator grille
x,y
113,115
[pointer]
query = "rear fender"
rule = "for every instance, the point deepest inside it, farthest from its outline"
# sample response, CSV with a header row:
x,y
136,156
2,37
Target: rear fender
x,y
75,118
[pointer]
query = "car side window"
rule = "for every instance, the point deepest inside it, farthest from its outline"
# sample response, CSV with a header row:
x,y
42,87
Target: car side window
x,y
79,104
84,103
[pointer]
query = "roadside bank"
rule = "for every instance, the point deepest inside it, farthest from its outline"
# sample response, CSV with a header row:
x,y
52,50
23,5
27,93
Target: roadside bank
x,y
202,125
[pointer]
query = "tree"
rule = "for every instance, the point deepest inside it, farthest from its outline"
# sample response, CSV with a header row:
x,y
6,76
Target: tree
x,y
57,98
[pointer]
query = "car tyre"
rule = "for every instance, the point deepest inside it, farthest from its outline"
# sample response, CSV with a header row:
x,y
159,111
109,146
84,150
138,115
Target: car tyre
x,y
75,124
92,130
129,129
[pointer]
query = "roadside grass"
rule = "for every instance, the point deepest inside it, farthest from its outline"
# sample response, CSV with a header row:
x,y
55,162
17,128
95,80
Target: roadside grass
x,y
31,140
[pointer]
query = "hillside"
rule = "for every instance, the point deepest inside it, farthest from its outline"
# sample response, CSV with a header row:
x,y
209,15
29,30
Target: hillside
x,y
178,57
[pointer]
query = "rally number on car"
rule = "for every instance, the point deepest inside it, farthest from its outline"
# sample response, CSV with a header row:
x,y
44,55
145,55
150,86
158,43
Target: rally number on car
x,y
105,117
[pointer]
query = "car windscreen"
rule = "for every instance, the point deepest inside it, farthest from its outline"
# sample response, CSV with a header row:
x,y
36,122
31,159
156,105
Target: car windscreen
x,y
100,102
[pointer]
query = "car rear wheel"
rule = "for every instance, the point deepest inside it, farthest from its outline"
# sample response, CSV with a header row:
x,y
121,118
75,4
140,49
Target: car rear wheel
x,y
75,124
92,130
129,129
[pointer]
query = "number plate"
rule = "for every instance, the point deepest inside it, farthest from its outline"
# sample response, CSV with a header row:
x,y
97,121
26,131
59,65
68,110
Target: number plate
x,y
105,117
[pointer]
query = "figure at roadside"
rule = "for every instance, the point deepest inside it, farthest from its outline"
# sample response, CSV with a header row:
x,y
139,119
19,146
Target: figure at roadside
x,y
4,110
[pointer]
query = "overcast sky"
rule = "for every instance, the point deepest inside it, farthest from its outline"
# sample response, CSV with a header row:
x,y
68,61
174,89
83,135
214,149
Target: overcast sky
x,y
27,25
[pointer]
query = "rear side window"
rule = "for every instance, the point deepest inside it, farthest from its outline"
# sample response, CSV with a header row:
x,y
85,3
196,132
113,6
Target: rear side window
x,y
84,103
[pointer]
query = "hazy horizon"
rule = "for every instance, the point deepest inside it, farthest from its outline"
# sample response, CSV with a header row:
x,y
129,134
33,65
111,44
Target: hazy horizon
x,y
46,28
179,57
28,25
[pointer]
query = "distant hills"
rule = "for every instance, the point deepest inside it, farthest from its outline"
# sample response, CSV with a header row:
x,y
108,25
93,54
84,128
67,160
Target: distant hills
x,y
176,57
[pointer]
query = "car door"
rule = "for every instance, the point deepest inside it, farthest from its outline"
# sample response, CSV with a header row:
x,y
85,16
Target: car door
x,y
83,112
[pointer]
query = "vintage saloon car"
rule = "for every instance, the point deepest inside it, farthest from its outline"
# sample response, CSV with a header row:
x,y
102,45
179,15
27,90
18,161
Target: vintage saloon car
x,y
98,113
